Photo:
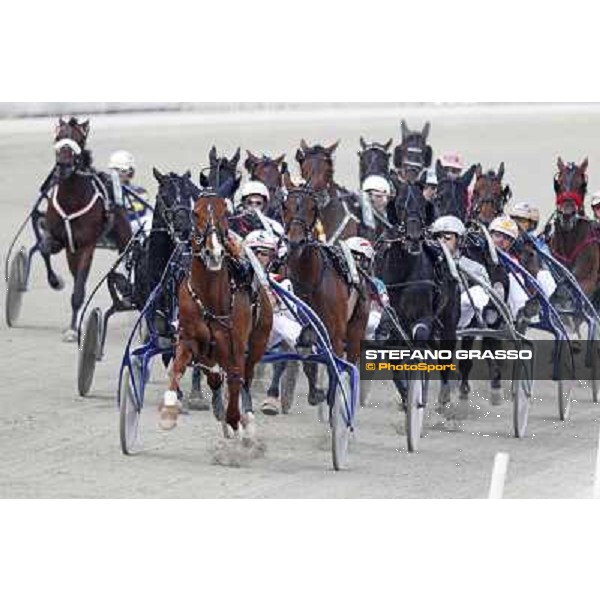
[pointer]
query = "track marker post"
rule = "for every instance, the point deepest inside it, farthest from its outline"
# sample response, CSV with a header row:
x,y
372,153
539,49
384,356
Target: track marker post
x,y
498,476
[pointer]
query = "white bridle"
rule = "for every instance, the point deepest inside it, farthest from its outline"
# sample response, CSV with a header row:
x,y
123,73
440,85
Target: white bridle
x,y
68,143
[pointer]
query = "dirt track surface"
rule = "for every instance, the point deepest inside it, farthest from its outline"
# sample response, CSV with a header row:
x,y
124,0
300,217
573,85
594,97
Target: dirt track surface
x,y
55,444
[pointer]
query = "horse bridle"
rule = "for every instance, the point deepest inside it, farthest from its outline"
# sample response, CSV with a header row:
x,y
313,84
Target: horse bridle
x,y
497,201
211,228
308,228
375,150
175,208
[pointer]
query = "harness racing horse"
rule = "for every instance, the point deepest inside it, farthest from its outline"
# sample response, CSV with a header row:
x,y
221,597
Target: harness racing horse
x,y
220,170
413,154
220,328
489,199
78,214
374,159
416,276
270,172
574,241
317,279
339,210
453,193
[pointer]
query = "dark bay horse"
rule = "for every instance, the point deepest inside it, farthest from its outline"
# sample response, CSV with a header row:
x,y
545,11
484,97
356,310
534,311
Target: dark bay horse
x,y
374,159
78,213
453,194
343,308
413,154
574,241
421,291
339,210
490,195
220,170
218,328
270,172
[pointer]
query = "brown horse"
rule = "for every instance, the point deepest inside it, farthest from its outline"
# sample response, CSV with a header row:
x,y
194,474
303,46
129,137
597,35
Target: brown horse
x,y
77,213
490,195
339,210
270,172
223,326
344,309
574,242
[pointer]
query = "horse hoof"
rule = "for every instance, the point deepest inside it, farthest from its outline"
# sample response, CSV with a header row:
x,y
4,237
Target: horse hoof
x,y
198,402
169,411
56,282
249,426
228,432
318,397
69,336
464,391
271,407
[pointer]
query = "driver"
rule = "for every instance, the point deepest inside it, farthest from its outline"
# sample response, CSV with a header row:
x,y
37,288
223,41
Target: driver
x,y
527,216
449,231
121,165
254,199
379,192
453,165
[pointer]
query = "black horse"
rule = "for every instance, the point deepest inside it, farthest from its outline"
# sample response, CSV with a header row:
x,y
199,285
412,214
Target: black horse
x,y
220,171
453,193
413,154
374,159
421,289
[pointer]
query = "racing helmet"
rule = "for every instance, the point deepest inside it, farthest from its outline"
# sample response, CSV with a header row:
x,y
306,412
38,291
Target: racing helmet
x,y
452,160
121,160
376,183
262,239
505,225
448,224
255,188
524,210
595,199
361,246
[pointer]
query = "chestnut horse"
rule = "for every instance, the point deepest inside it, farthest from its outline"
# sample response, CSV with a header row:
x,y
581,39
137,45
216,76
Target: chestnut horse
x,y
77,213
219,328
344,309
490,195
574,242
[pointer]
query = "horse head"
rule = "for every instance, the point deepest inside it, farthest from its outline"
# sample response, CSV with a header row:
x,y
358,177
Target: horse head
x,y
374,159
300,213
316,164
69,144
413,154
176,196
211,229
489,195
220,170
453,193
570,186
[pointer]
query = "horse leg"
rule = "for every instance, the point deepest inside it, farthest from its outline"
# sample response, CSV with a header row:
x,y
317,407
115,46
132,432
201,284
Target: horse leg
x,y
215,382
47,246
79,265
171,405
234,385
121,229
196,398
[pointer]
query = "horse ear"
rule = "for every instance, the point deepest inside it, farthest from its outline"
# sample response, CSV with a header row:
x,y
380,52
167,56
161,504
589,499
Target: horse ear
x,y
584,165
299,156
212,155
560,164
507,193
204,180
388,145
304,145
188,174
404,130
333,148
236,157
61,121
85,126
467,177
287,181
501,171
439,170
426,129
157,175
478,171
363,144
279,160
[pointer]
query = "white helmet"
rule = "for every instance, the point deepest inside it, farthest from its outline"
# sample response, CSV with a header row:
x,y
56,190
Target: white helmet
x,y
376,183
524,210
362,246
505,225
452,160
252,188
448,224
121,160
431,177
595,199
262,239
